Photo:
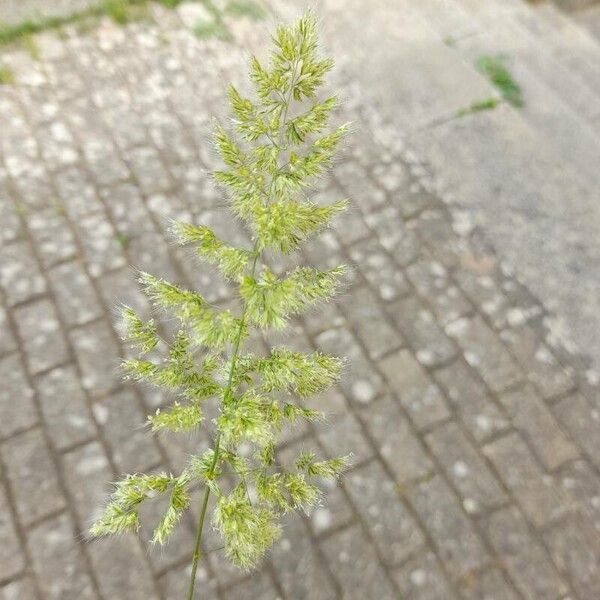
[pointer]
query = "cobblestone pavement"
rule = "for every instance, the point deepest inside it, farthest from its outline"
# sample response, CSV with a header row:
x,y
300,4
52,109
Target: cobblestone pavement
x,y
476,440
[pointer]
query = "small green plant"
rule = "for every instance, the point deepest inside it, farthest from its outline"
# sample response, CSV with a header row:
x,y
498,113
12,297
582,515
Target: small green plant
x,y
282,146
245,8
495,69
481,105
7,76
123,240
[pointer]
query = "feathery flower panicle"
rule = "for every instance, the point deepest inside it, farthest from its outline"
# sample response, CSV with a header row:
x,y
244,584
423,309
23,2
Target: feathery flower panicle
x,y
278,146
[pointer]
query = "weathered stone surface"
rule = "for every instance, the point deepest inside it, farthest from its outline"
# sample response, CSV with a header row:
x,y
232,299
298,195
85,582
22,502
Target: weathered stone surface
x,y
90,464
20,277
21,589
582,421
454,535
471,401
75,297
301,572
540,495
409,383
58,561
533,418
485,353
12,560
393,529
524,557
356,567
98,356
122,570
422,578
16,397
400,448
64,407
464,466
43,341
34,479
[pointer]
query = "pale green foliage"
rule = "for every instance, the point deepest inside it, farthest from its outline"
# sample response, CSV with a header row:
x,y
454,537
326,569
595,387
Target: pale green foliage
x,y
278,145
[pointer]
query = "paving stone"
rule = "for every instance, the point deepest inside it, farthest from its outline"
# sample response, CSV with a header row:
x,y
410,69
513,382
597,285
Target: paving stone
x,y
353,560
9,217
12,560
488,585
88,464
410,384
583,483
358,186
300,571
485,353
371,322
258,587
133,448
523,556
394,531
64,407
464,466
471,401
394,236
434,227
536,359
75,297
97,355
20,277
102,159
128,209
100,244
455,537
399,446
418,326
7,339
350,227
77,194
15,392
422,579
582,421
430,278
34,479
58,560
345,435
533,419
175,582
362,383
43,341
379,269
576,551
21,589
541,498
121,569
485,292
148,170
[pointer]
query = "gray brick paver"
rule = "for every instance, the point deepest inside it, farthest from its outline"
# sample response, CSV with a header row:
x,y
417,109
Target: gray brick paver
x,y
106,142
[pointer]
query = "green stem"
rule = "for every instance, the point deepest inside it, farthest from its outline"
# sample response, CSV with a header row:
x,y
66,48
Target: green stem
x,y
204,505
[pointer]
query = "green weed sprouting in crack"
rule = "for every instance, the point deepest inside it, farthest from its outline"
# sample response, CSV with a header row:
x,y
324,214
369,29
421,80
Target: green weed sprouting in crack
x,y
281,145
120,11
494,68
215,25
481,105
7,76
